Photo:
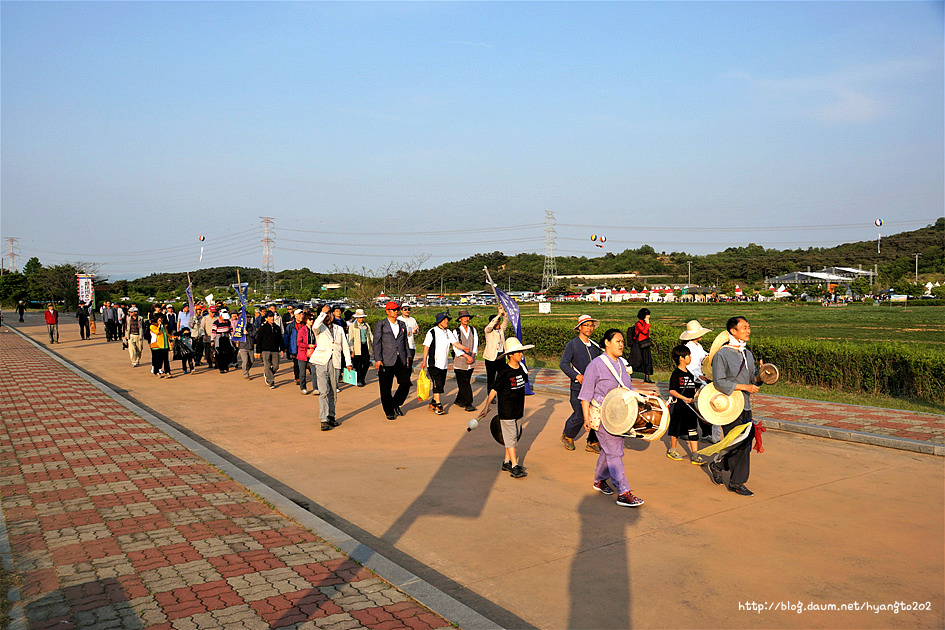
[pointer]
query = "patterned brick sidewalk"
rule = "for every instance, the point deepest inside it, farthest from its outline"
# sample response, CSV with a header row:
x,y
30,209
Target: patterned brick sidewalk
x,y
925,427
113,524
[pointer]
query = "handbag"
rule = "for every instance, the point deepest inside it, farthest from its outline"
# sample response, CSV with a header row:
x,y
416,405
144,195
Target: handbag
x,y
424,385
349,376
645,343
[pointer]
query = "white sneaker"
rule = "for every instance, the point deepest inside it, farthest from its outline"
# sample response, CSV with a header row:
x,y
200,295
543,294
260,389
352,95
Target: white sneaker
x,y
304,392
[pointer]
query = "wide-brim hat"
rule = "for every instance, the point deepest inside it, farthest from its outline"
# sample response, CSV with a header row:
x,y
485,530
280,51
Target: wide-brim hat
x,y
359,313
618,411
441,316
720,340
464,313
585,318
694,330
495,427
514,345
718,408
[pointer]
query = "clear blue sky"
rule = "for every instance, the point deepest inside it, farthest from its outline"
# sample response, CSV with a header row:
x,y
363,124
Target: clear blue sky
x,y
372,132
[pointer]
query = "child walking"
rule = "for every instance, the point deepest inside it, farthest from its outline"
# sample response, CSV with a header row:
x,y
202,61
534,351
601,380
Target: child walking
x,y
509,388
683,421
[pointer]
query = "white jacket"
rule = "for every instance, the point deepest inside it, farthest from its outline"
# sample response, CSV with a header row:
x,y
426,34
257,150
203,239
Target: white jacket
x,y
329,344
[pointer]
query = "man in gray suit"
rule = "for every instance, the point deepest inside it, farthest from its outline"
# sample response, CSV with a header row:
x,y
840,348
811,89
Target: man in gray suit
x,y
390,359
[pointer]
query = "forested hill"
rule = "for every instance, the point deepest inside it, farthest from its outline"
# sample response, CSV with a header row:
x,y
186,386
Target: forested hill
x,y
749,265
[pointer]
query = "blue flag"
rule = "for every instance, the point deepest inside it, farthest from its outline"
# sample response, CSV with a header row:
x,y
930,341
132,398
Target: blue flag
x,y
239,331
190,299
511,308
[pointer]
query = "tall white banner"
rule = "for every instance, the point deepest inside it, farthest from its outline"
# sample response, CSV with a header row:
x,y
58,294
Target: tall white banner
x,y
86,289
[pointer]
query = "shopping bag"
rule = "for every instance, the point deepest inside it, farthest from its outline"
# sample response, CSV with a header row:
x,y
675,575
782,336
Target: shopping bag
x,y
349,376
424,385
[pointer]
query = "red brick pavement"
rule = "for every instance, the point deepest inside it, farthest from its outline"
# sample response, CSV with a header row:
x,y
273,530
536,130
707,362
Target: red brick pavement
x,y
925,427
113,524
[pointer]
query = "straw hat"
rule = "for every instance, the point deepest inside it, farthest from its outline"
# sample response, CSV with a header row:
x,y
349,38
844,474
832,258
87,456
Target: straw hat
x,y
694,330
618,411
514,345
585,318
720,341
717,408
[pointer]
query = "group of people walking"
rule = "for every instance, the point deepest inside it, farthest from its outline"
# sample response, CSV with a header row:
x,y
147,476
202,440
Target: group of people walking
x,y
325,343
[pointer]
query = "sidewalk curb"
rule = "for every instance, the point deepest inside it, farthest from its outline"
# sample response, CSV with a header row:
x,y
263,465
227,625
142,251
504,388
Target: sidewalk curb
x,y
425,593
814,430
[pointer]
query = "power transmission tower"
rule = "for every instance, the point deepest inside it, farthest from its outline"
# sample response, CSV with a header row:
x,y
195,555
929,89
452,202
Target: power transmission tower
x,y
267,241
549,272
13,243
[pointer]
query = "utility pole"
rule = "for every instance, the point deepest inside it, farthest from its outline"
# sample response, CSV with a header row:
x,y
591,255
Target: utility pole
x,y
689,281
917,268
549,272
267,241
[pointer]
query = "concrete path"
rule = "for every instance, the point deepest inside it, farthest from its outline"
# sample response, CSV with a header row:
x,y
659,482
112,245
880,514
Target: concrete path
x,y
832,523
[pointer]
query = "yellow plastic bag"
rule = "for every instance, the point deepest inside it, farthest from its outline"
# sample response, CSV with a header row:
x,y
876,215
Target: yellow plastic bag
x,y
424,385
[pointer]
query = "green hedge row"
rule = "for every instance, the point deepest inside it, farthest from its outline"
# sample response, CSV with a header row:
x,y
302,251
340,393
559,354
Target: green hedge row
x,y
883,368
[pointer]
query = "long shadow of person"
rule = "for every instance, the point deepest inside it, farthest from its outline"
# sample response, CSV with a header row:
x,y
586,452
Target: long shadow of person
x,y
599,584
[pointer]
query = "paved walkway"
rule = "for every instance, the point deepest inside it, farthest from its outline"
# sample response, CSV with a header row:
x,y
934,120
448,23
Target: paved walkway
x,y
113,524
925,427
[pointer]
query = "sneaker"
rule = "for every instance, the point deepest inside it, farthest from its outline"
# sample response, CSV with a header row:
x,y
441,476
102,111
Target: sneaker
x,y
326,426
592,447
568,442
518,472
272,387
674,455
432,407
628,500
697,460
470,408
440,411
391,417
715,471
507,466
305,392
739,488
334,423
314,392
398,411
603,487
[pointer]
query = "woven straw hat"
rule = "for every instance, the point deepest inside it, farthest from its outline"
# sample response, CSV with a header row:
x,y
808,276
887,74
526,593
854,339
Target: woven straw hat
x,y
694,330
720,341
718,408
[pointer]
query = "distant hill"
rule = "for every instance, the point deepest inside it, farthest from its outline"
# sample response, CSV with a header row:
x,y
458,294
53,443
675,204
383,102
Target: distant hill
x,y
748,265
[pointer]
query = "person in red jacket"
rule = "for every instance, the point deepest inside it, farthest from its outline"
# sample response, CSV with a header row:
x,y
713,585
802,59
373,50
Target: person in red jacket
x,y
52,323
641,357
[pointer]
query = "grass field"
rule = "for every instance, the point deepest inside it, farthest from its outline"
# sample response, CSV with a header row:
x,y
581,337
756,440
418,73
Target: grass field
x,y
923,326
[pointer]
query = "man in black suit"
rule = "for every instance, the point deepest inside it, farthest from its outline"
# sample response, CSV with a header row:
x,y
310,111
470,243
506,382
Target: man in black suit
x,y
390,359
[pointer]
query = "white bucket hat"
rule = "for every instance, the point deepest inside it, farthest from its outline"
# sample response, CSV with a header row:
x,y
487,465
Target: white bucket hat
x,y
359,313
514,345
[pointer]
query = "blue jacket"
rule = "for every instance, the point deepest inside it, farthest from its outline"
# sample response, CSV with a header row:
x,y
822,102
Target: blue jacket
x,y
290,338
576,358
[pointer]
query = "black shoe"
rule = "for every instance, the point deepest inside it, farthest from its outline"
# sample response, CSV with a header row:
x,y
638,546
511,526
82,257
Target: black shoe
x,y
326,426
715,472
507,466
391,417
333,422
518,472
470,408
398,411
739,488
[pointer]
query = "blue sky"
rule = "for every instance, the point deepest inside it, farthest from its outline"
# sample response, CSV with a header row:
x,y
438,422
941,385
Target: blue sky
x,y
374,132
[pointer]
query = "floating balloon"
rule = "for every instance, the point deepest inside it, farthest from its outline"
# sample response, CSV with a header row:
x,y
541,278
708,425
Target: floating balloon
x,y
593,237
878,222
201,238
603,239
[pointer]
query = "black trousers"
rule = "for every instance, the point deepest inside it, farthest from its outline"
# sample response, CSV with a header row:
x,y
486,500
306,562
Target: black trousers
x,y
464,395
575,422
198,350
208,352
160,360
385,380
111,331
295,366
492,368
361,363
84,332
737,460
411,353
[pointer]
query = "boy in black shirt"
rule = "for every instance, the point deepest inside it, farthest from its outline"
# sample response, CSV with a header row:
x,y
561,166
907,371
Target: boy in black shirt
x,y
683,421
509,387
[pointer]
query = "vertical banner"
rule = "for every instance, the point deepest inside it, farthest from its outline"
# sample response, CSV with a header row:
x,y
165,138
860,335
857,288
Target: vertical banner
x,y
511,308
239,333
86,289
190,299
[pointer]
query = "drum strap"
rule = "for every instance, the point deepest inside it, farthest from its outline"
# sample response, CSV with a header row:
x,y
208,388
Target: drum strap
x,y
613,371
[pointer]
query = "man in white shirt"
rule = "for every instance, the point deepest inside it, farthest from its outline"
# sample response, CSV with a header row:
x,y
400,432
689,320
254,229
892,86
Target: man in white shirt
x,y
412,329
468,339
436,357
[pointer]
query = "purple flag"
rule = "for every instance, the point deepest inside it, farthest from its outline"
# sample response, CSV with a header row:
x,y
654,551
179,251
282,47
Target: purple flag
x,y
511,308
190,299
